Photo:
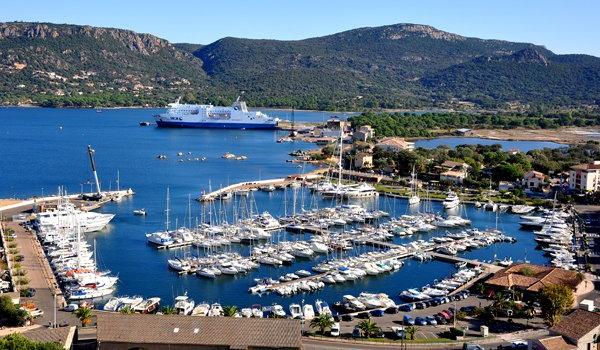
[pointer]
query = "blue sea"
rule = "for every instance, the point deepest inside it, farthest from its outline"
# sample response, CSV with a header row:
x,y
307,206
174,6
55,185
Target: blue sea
x,y
42,149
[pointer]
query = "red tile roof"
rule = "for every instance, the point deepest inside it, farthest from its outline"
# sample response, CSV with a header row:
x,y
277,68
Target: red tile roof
x,y
238,333
541,276
577,324
556,343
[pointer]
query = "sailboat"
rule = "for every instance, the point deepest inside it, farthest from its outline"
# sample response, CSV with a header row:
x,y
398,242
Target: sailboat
x,y
414,194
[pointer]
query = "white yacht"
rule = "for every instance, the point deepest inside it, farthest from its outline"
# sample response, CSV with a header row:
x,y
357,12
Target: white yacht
x,y
295,311
414,192
184,305
451,201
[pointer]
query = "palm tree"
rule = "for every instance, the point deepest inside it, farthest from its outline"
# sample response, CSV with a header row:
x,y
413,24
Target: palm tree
x,y
410,331
230,310
127,310
322,323
85,315
168,310
368,328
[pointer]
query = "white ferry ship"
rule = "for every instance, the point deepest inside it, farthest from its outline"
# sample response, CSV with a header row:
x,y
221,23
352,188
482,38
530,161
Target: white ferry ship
x,y
235,116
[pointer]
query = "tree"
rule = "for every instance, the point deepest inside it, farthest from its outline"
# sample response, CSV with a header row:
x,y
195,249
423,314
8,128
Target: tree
x,y
11,315
16,341
368,328
554,301
230,310
168,310
127,310
322,323
410,331
84,314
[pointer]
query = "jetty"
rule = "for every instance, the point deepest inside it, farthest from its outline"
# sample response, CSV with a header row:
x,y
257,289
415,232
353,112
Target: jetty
x,y
18,206
253,185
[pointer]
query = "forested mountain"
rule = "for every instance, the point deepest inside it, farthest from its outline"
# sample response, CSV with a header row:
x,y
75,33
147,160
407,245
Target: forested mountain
x,y
395,66
49,63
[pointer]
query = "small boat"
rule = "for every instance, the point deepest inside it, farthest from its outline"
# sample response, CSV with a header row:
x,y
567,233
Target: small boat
x,y
201,310
161,156
148,306
215,310
141,212
228,156
145,123
184,305
309,312
295,311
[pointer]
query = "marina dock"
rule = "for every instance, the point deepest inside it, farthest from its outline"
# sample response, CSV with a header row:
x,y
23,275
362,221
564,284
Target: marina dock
x,y
26,205
253,185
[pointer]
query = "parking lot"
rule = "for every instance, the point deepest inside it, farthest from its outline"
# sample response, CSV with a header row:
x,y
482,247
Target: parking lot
x,y
387,321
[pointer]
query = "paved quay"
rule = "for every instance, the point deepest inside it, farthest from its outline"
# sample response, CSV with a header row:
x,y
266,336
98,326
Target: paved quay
x,y
41,278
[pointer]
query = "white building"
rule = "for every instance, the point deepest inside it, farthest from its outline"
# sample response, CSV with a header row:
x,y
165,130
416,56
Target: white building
x,y
585,177
395,144
533,180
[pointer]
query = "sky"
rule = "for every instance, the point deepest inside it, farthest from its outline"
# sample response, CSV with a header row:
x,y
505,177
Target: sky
x,y
562,26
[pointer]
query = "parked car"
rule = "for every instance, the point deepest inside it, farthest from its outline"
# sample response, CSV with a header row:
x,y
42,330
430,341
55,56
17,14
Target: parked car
x,y
377,313
518,344
391,310
335,330
71,307
420,321
407,307
431,320
363,315
440,319
420,305
467,309
398,332
356,333
347,317
471,346
408,320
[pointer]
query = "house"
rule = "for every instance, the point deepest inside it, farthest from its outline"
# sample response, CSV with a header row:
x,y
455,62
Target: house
x,y
580,328
533,180
364,133
585,177
455,177
363,160
505,186
147,331
62,336
530,279
555,342
395,144
336,123
454,172
452,165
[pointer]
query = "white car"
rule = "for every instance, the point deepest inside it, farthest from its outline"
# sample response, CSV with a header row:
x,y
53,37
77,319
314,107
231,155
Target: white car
x,y
71,307
519,344
335,330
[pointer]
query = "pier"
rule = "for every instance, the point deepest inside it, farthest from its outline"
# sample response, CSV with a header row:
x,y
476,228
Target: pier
x,y
17,206
253,185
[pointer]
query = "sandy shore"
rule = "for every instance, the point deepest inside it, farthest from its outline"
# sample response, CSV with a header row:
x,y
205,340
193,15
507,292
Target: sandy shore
x,y
567,136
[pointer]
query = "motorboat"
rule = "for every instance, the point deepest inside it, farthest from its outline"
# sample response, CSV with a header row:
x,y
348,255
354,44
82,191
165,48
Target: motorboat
x,y
308,312
295,311
184,305
322,307
179,265
141,212
148,306
452,201
215,310
278,310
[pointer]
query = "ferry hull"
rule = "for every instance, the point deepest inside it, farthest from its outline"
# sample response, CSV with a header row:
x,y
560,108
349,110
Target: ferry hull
x,y
174,124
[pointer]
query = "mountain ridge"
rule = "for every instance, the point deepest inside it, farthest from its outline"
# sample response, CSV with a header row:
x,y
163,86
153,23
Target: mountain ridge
x,y
403,65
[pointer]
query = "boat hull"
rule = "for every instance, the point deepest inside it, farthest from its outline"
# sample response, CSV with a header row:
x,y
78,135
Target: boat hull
x,y
204,125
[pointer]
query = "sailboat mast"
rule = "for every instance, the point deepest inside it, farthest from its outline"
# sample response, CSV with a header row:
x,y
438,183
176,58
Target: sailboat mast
x,y
167,212
340,161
